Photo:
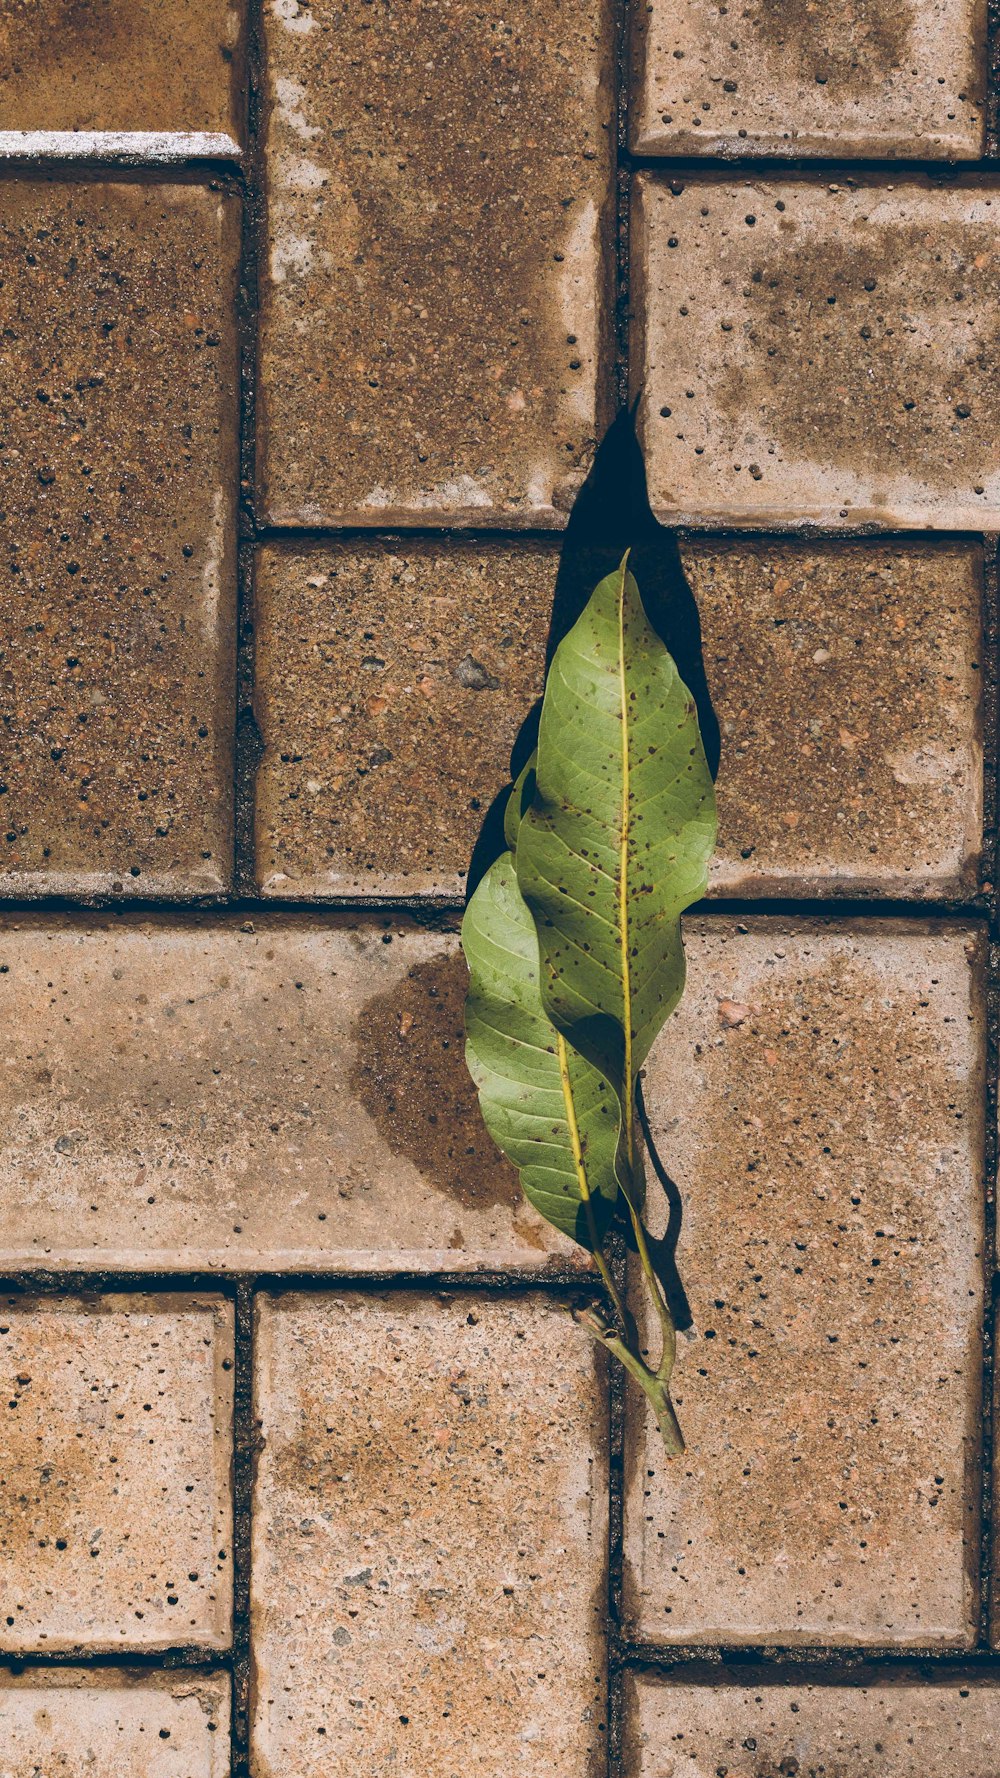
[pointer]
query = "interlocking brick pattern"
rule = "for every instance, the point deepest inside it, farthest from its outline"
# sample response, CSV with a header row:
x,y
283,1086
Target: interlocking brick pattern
x,y
312,314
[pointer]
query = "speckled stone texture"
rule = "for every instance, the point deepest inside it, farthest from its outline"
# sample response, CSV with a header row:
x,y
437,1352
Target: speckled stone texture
x,y
115,1510
434,306
817,353
262,1094
121,65
391,681
885,78
818,1099
93,1724
847,679
117,538
911,1726
430,1539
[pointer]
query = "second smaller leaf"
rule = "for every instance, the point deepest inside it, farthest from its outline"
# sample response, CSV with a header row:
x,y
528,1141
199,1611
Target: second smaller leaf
x,y
548,1110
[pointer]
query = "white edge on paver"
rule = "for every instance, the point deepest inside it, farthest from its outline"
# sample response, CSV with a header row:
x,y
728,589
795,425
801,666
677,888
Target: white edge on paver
x,y
158,146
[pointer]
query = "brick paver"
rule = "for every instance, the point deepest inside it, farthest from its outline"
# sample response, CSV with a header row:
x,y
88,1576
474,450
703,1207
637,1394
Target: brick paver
x,y
818,1099
122,65
115,1509
391,683
912,1726
261,1094
886,78
817,352
847,679
84,1723
435,305
430,1538
117,539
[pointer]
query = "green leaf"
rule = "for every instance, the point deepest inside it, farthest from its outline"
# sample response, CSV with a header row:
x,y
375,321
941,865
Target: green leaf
x,y
551,1113
522,792
617,840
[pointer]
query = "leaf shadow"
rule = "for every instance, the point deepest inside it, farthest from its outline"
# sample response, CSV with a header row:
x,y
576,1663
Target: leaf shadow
x,y
612,514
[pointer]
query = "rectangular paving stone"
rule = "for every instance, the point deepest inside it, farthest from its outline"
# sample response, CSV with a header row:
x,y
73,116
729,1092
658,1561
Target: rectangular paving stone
x,y
430,1538
817,353
120,68
914,1726
94,1724
881,79
436,291
263,1094
117,538
391,681
115,1509
847,682
818,1100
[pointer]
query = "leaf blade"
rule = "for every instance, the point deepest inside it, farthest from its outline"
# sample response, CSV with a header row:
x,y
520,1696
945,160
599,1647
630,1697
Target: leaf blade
x,y
617,840
551,1113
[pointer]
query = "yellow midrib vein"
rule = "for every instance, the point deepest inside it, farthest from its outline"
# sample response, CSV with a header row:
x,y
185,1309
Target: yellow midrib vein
x,y
574,1128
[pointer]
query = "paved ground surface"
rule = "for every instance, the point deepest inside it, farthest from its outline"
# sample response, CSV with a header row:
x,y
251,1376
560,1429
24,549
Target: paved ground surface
x,y
313,313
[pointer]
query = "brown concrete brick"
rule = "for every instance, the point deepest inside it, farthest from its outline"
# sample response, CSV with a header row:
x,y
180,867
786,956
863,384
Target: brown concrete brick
x,y
877,78
430,1538
435,307
117,538
913,1726
97,1724
115,1511
391,681
846,678
121,65
822,351
277,1095
818,1100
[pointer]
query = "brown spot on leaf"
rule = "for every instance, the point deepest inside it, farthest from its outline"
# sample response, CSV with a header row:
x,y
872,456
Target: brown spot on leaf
x,y
411,1078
